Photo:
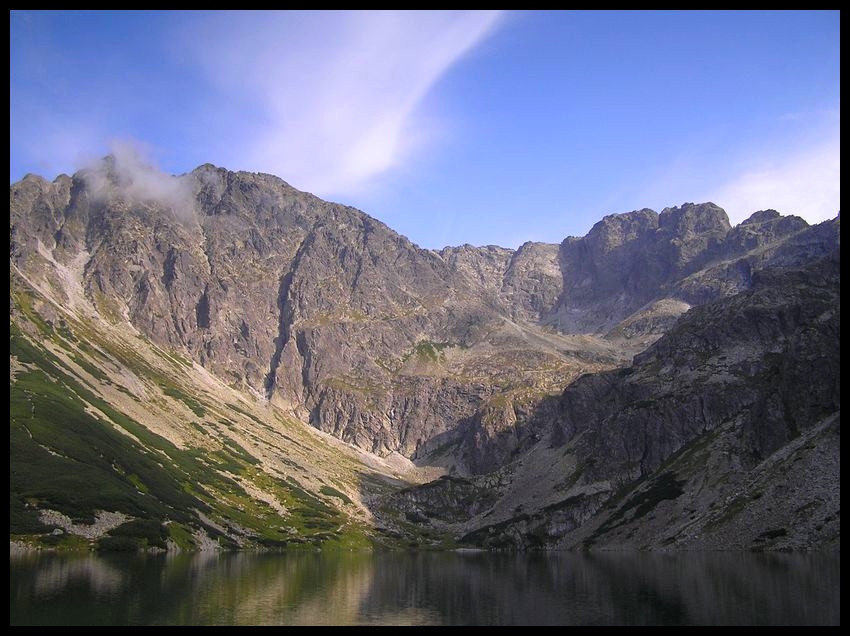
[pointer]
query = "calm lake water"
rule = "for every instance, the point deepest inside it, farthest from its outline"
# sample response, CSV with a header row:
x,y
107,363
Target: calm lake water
x,y
424,588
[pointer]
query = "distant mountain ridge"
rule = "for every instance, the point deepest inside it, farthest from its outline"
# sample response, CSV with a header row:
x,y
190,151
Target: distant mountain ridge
x,y
452,358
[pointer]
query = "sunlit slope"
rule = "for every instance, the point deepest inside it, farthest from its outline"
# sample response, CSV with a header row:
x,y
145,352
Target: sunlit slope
x,y
104,421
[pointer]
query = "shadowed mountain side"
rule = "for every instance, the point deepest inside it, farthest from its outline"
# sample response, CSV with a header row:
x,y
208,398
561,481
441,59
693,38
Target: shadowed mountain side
x,y
724,433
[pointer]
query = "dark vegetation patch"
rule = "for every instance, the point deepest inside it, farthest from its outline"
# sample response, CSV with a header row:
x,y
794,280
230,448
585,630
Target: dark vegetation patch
x,y
248,415
772,534
494,536
661,488
432,351
172,391
329,491
144,533
567,503
536,535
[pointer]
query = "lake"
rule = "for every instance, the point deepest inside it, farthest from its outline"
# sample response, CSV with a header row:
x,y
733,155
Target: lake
x,y
424,589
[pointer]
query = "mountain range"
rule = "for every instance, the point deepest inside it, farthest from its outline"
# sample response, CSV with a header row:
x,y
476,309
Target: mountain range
x,y
221,360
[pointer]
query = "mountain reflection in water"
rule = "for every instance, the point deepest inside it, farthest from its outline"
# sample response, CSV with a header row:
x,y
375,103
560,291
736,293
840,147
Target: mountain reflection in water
x,y
425,588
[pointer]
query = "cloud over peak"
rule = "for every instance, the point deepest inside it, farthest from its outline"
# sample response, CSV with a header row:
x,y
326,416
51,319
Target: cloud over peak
x,y
131,173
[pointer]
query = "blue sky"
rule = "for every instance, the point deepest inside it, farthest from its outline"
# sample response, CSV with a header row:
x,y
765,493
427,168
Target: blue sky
x,y
470,127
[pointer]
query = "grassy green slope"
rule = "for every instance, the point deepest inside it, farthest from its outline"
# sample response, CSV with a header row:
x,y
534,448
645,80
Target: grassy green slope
x,y
103,420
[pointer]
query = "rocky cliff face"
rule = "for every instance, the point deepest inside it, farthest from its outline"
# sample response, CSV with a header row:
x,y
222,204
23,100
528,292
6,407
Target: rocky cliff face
x,y
724,433
765,357
689,254
454,359
309,303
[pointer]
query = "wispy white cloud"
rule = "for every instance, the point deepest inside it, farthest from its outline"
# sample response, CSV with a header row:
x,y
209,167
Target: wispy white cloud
x,y
334,95
805,182
795,169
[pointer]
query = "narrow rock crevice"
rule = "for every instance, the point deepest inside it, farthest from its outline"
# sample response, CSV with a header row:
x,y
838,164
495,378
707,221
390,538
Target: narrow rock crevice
x,y
283,331
202,310
285,319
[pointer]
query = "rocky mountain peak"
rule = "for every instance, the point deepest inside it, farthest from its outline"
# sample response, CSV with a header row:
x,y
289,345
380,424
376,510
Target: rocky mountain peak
x,y
616,230
456,360
761,216
691,218
321,307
